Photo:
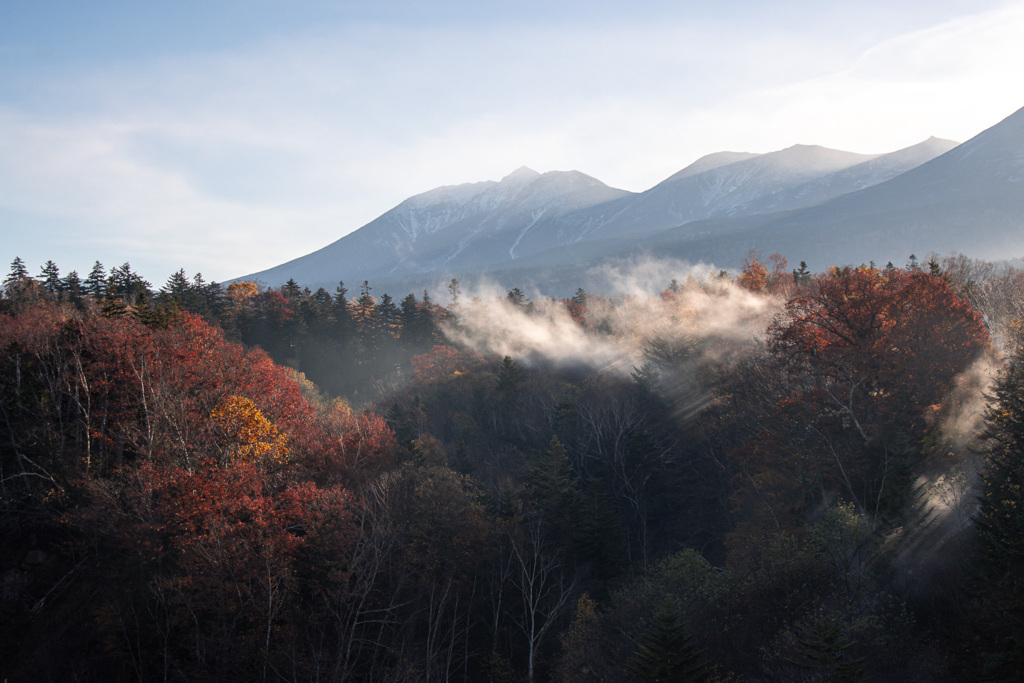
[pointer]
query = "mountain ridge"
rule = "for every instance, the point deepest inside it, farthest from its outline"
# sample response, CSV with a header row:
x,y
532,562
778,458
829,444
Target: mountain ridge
x,y
805,201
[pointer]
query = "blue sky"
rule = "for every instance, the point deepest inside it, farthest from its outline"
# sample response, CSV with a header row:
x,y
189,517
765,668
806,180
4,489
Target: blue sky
x,y
227,136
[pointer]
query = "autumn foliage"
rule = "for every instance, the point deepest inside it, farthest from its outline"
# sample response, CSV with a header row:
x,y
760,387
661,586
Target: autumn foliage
x,y
178,506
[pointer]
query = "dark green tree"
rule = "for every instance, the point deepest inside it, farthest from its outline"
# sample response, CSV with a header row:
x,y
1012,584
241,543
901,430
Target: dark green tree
x,y
17,278
95,283
666,651
801,275
291,290
580,297
50,276
1000,519
72,285
516,297
510,376
822,651
126,284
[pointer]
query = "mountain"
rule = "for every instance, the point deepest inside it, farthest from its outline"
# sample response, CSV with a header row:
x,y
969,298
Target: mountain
x,y
807,202
477,223
969,200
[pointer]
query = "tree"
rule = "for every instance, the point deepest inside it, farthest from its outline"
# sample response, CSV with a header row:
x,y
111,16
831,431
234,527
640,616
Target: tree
x,y
583,653
72,285
868,354
454,290
801,275
126,285
544,584
291,290
95,283
16,278
516,297
50,276
1000,518
247,435
821,651
666,651
177,287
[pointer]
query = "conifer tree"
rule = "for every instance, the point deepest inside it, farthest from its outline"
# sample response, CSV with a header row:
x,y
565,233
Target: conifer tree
x,y
581,296
801,275
17,277
50,276
388,316
95,283
291,290
72,285
177,287
510,376
516,297
822,652
666,651
1000,517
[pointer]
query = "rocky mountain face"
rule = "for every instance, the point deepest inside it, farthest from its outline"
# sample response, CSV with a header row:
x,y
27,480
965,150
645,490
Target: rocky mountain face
x,y
807,202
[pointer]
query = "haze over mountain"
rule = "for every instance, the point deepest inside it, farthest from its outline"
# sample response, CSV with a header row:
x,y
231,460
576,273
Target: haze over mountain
x,y
807,202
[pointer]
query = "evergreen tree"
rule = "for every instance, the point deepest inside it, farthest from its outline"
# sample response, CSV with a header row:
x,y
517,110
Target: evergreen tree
x,y
50,276
801,275
666,651
411,334
580,297
127,285
16,279
18,270
822,652
454,290
510,376
388,316
342,314
95,283
177,287
516,297
72,285
556,495
1000,518
291,290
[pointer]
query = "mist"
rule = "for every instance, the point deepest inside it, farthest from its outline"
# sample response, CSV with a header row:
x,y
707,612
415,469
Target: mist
x,y
656,307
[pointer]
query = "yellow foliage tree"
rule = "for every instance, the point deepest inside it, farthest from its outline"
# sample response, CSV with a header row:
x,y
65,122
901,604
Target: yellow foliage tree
x,y
247,435
241,293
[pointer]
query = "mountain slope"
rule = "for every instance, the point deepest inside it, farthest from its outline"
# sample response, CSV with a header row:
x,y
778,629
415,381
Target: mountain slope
x,y
426,232
970,200
807,202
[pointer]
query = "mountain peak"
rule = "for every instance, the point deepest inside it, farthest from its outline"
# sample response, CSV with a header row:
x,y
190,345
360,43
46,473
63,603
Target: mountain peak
x,y
523,174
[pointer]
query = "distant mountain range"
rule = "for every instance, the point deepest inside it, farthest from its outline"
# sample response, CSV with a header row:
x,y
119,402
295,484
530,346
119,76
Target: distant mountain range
x,y
808,203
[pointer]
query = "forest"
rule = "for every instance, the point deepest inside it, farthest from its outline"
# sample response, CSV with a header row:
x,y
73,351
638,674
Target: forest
x,y
770,475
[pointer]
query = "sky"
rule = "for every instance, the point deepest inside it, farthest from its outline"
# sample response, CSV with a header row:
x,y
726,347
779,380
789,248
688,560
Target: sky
x,y
229,136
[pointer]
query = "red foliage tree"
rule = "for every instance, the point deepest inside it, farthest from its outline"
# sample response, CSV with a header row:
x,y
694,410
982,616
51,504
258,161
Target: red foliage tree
x,y
868,354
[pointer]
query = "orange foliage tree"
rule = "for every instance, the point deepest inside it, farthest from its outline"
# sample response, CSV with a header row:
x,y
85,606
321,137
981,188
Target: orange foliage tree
x,y
248,436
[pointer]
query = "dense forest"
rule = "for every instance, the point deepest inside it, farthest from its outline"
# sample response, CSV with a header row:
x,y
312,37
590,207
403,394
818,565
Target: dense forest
x,y
774,475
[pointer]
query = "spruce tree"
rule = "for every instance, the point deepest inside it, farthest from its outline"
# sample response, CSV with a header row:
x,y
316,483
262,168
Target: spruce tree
x,y
666,651
1000,520
16,278
72,285
50,275
95,283
822,651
